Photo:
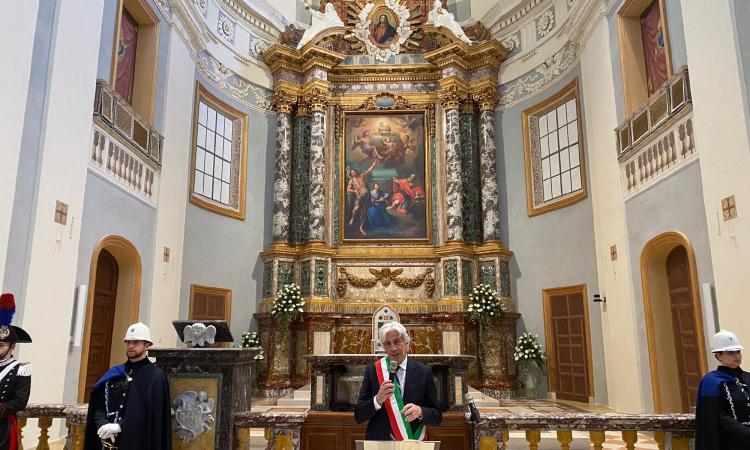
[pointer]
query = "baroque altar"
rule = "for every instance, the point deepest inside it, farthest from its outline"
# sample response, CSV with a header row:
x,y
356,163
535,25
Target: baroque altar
x,y
385,190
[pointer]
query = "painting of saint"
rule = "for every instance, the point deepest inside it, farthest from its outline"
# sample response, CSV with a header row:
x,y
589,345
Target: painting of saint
x,y
384,189
382,31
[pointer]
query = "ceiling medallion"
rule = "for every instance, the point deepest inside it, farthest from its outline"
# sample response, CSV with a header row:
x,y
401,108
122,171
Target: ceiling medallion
x,y
382,30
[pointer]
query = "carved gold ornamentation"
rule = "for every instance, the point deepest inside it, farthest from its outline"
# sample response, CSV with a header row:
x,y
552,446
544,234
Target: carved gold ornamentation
x,y
385,276
486,98
283,102
317,99
478,32
396,103
452,96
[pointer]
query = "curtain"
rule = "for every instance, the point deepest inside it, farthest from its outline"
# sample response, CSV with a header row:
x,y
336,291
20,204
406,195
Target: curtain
x,y
652,34
127,43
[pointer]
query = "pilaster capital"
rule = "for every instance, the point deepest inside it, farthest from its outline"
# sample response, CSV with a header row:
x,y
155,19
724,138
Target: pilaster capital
x,y
452,96
283,102
487,98
317,99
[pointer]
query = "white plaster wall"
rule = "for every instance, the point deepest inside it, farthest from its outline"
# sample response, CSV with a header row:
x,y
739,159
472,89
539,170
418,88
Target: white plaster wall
x,y
66,138
170,216
614,278
722,136
17,28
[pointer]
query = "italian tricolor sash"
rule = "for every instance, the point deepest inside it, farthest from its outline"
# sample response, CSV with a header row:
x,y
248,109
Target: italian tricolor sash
x,y
394,405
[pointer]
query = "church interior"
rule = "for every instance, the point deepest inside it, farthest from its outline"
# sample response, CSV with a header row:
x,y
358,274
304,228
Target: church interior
x,y
583,164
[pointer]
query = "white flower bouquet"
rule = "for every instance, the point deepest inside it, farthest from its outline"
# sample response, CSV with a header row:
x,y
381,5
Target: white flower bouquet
x,y
529,354
484,304
251,339
288,305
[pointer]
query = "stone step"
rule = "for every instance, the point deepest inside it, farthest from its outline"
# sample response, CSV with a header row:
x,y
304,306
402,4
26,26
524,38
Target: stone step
x,y
481,400
303,392
295,402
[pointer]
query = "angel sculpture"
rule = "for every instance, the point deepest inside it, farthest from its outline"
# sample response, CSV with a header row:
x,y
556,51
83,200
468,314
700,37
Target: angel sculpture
x,y
440,17
320,22
199,335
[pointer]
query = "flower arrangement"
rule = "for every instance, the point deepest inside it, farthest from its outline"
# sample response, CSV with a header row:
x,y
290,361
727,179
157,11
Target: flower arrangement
x,y
484,304
287,306
528,353
251,339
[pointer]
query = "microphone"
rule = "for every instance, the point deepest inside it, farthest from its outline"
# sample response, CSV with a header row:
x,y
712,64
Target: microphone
x,y
474,412
392,370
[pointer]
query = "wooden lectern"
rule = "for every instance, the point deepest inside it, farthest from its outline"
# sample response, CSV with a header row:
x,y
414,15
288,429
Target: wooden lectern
x,y
397,445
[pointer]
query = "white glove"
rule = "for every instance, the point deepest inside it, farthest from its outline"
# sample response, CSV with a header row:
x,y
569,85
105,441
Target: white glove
x,y
109,431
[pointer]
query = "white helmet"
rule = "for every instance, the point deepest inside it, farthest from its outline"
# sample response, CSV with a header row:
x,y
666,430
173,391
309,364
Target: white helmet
x,y
138,332
725,341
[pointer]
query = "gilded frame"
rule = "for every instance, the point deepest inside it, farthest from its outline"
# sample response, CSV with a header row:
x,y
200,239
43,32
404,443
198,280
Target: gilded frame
x,y
387,104
570,91
202,94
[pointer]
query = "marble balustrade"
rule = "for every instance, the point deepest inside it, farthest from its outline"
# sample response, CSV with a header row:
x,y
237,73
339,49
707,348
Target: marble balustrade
x,y
283,429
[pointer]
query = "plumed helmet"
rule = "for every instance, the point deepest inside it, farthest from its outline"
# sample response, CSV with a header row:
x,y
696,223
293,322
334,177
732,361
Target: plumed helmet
x,y
138,332
10,333
725,341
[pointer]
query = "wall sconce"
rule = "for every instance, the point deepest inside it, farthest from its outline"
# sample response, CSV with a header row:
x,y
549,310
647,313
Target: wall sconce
x,y
599,299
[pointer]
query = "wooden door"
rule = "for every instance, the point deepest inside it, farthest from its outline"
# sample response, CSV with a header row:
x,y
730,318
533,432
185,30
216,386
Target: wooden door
x,y
683,326
567,318
102,319
208,303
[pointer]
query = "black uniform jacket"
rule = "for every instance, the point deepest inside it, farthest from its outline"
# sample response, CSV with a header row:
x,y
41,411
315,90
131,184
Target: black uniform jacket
x,y
722,414
14,394
419,390
146,421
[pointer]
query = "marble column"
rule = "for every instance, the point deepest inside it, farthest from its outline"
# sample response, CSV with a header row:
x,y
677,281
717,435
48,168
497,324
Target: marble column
x,y
487,100
318,100
450,98
283,103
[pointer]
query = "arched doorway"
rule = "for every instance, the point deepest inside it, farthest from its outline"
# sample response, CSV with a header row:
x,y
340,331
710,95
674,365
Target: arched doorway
x,y
112,304
674,322
102,319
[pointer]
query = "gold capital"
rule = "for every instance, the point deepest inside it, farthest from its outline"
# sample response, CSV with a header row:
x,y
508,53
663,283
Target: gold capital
x,y
487,98
283,102
452,96
318,99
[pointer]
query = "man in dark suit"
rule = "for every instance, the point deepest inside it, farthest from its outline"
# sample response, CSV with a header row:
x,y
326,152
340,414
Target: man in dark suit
x,y
399,409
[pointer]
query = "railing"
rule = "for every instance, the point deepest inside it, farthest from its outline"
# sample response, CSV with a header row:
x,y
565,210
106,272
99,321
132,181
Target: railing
x,y
659,137
45,414
671,430
663,105
282,430
117,114
123,166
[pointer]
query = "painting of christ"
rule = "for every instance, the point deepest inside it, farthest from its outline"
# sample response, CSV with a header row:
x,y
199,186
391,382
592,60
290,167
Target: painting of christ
x,y
384,177
382,32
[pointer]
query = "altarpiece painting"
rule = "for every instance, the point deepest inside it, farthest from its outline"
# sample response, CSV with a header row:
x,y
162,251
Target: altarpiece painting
x,y
385,177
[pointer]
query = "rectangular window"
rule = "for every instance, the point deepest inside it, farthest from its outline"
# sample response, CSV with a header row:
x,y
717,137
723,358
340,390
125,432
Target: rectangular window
x,y
219,156
554,153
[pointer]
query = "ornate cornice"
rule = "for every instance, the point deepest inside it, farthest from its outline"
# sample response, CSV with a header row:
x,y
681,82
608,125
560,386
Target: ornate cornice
x,y
317,99
452,96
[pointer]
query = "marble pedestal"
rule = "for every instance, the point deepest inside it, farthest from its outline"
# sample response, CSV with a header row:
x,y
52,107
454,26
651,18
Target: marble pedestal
x,y
224,374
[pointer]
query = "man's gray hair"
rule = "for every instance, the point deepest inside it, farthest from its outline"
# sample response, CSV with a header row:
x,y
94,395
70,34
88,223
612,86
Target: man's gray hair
x,y
393,326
